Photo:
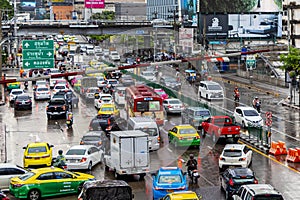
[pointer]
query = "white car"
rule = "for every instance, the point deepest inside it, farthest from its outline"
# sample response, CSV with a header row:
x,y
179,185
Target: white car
x,y
53,81
83,157
235,155
114,56
113,82
247,117
39,83
101,82
15,92
42,92
173,105
148,75
8,171
106,52
103,99
210,90
59,87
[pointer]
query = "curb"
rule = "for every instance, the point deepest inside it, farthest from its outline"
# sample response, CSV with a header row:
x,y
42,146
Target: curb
x,y
290,105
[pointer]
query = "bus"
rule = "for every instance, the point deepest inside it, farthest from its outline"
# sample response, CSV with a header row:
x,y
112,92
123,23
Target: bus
x,y
141,100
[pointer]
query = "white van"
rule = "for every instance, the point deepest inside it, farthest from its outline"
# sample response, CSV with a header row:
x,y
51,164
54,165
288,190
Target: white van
x,y
147,125
210,90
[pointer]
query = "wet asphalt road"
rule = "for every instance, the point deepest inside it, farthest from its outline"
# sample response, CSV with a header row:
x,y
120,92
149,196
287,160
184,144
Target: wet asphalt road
x,y
23,127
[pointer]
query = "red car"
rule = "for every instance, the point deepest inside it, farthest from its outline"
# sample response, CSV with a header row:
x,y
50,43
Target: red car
x,y
161,93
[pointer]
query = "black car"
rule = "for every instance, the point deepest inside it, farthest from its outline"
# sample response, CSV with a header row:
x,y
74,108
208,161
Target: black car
x,y
170,82
69,95
104,123
23,101
233,178
96,138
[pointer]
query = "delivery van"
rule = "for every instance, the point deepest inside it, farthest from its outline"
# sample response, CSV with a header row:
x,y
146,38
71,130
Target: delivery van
x,y
147,125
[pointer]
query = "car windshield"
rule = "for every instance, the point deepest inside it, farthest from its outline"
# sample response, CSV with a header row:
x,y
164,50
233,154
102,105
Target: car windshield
x,y
160,92
169,179
42,89
76,152
174,102
232,153
214,87
202,113
150,131
17,92
91,138
250,113
187,131
26,176
107,109
41,149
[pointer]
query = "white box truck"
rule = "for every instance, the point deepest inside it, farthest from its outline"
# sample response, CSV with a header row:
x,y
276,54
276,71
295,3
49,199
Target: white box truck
x,y
128,154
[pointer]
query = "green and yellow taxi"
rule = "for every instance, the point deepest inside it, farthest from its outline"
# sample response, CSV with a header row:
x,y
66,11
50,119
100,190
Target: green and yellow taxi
x,y
185,195
37,154
108,109
184,136
14,85
47,182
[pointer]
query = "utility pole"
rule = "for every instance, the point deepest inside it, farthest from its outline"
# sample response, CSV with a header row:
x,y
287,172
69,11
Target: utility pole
x,y
15,34
1,86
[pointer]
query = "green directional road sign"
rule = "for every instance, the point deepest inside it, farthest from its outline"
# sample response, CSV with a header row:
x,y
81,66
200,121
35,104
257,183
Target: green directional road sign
x,y
251,62
38,54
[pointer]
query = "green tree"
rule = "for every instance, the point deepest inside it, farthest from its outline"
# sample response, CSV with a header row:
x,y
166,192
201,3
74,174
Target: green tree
x,y
105,15
6,8
229,6
291,62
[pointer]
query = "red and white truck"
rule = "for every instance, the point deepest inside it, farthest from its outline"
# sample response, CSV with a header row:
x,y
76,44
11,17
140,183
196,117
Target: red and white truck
x,y
220,126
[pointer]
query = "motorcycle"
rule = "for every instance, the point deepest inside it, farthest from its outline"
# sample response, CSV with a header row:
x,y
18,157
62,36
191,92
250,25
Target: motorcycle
x,y
69,120
257,106
60,164
236,96
26,85
194,175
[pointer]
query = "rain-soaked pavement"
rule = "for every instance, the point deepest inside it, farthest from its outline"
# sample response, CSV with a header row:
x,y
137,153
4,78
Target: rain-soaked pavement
x,y
23,127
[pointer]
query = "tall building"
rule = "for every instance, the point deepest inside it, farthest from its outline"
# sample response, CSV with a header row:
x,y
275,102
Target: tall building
x,y
158,9
291,22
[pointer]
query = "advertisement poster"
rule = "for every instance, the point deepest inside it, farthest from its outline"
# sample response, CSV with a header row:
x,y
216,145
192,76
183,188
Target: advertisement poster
x,y
189,12
94,4
186,37
240,6
27,6
216,26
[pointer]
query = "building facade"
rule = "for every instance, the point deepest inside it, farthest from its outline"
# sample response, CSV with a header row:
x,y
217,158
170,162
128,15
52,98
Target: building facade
x,y
130,11
161,9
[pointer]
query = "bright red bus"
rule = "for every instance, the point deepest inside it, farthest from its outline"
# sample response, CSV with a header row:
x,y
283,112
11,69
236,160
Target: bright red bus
x,y
142,100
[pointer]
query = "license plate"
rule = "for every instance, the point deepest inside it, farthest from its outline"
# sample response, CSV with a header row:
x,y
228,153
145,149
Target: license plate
x,y
23,102
170,190
229,135
36,158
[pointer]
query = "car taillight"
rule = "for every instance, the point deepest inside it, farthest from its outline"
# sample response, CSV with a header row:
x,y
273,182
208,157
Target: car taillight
x,y
46,156
100,101
255,181
180,138
100,142
81,142
28,157
242,159
231,182
17,185
46,107
108,121
182,188
158,188
83,160
169,106
17,102
197,137
64,107
158,139
221,158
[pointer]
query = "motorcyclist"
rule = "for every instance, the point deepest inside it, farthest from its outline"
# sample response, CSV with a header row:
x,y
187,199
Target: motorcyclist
x,y
60,160
191,164
256,104
236,94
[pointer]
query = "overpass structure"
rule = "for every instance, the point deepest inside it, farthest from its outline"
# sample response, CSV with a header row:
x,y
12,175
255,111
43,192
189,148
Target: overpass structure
x,y
71,27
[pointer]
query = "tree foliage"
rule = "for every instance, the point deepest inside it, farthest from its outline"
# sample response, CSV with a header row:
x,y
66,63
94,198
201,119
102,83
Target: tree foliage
x,y
291,61
7,9
106,15
229,6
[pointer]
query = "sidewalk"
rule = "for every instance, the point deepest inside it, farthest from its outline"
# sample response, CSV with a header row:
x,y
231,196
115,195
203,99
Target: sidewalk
x,y
267,88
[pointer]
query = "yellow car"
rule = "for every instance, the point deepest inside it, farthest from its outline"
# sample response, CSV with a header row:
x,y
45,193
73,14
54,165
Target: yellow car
x,y
37,154
47,182
188,195
108,109
184,135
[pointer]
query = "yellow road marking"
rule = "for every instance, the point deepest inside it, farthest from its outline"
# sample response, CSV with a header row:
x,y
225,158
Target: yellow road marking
x,y
271,158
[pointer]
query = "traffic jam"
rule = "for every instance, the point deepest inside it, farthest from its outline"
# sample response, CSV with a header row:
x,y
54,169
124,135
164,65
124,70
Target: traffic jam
x,y
124,134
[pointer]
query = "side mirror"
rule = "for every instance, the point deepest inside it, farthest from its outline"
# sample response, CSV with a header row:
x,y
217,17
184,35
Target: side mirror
x,y
89,152
51,146
24,147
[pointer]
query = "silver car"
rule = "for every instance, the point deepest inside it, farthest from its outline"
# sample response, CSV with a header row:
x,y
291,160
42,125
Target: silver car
x,y
83,157
42,92
8,171
173,105
96,138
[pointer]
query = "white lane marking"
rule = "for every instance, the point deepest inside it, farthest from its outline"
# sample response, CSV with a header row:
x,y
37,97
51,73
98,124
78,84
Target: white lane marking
x,y
169,149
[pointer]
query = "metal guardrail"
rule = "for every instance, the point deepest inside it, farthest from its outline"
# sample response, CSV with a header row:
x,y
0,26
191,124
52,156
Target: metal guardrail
x,y
270,65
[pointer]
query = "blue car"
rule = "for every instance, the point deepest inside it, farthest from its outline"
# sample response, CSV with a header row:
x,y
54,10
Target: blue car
x,y
167,180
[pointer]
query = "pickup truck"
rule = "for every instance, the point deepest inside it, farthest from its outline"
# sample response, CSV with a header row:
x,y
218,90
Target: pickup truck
x,y
57,107
220,126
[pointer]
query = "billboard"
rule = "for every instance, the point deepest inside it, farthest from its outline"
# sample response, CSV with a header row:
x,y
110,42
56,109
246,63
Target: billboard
x,y
189,12
254,25
94,3
239,6
29,5
186,38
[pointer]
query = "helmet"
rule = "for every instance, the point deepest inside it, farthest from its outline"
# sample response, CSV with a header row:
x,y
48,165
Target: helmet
x,y
236,88
60,152
256,97
191,156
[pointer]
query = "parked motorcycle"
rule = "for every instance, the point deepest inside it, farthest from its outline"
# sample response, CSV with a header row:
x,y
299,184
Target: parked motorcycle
x,y
194,175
